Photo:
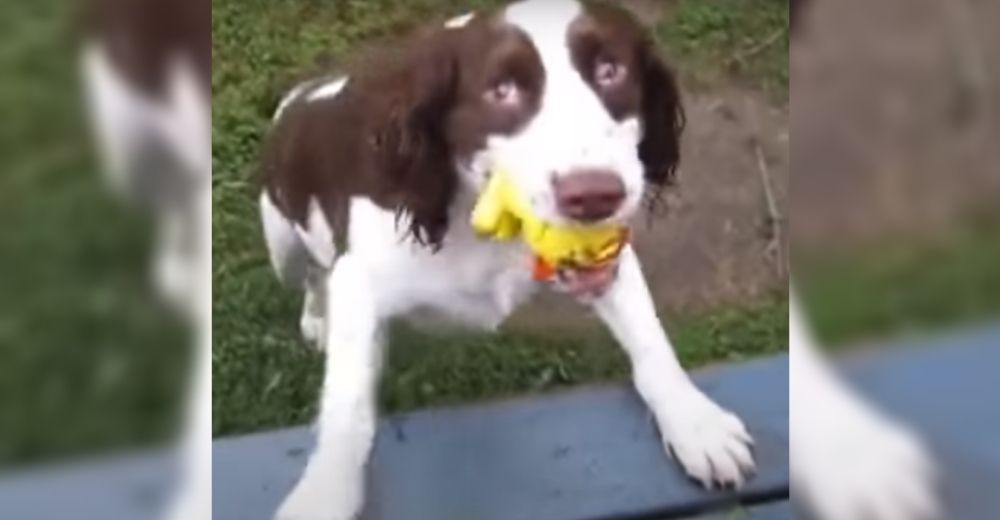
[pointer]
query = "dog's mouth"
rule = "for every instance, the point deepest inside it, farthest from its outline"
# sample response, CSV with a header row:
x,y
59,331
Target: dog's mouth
x,y
587,282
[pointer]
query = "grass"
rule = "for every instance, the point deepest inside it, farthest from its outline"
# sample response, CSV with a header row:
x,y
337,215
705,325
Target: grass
x,y
88,361
720,40
277,380
904,287
263,376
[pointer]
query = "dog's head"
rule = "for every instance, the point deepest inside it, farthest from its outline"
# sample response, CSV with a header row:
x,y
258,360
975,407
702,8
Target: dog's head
x,y
572,98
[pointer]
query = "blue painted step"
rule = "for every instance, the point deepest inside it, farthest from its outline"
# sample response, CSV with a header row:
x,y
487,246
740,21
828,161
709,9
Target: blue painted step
x,y
586,454
583,455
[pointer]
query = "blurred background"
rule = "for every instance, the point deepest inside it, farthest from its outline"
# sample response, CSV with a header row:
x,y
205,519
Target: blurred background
x,y
896,241
716,255
896,193
90,361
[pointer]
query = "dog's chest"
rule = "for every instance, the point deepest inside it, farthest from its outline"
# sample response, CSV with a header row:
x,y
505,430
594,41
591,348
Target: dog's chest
x,y
474,281
485,282
477,281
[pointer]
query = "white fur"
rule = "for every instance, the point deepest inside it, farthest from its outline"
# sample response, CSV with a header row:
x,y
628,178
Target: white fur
x,y
572,129
118,114
312,324
332,485
294,246
194,497
327,90
122,116
301,256
710,443
848,461
189,124
383,274
317,236
459,21
288,255
290,97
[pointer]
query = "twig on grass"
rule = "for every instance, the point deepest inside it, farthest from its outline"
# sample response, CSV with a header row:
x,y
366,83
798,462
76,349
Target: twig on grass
x,y
742,57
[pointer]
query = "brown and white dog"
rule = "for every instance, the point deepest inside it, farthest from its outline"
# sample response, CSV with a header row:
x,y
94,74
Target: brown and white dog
x,y
146,68
370,179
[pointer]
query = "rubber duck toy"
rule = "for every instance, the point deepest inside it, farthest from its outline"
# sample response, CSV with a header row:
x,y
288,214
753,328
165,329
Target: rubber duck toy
x,y
503,213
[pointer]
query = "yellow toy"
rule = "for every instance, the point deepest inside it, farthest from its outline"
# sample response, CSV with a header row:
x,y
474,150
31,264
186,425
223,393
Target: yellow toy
x,y
503,214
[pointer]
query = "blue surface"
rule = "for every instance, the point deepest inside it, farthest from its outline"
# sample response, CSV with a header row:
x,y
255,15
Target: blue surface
x,y
591,453
771,511
124,487
948,389
587,454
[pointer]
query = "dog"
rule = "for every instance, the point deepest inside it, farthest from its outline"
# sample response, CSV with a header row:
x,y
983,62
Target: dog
x,y
146,67
369,179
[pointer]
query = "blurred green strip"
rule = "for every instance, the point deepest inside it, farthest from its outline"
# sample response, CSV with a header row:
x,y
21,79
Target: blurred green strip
x,y
898,288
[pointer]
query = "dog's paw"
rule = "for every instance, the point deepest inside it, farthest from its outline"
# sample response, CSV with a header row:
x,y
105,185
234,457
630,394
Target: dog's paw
x,y
312,328
863,466
331,488
711,444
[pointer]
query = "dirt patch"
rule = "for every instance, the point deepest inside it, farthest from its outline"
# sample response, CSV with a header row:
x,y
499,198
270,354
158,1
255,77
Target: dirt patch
x,y
895,119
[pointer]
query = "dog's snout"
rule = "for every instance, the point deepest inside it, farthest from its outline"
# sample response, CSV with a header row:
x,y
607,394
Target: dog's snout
x,y
588,195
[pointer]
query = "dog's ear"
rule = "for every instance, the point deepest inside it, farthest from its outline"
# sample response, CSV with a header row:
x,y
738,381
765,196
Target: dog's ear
x,y
412,153
662,119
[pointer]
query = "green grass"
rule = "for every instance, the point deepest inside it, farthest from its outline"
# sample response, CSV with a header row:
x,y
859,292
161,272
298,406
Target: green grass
x,y
263,375
89,361
904,287
276,380
718,40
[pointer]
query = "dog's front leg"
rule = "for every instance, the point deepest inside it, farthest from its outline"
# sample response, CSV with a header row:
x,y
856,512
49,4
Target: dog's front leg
x,y
849,460
331,488
710,443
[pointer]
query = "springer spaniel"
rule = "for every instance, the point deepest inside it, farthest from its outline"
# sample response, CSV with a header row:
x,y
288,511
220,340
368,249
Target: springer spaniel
x,y
370,179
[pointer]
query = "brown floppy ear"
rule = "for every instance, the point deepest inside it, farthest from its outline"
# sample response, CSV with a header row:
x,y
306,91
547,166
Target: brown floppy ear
x,y
662,120
412,154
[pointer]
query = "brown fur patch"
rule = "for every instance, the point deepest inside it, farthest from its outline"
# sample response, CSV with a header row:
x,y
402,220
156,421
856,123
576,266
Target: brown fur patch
x,y
143,36
415,109
650,91
394,134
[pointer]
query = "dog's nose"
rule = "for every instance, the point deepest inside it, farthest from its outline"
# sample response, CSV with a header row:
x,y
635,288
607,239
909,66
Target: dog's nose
x,y
588,195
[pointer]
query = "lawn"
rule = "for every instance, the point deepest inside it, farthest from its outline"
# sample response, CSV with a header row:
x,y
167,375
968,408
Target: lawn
x,y
89,360
898,287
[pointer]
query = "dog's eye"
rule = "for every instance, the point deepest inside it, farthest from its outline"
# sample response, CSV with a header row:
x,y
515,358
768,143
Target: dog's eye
x,y
609,72
504,92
